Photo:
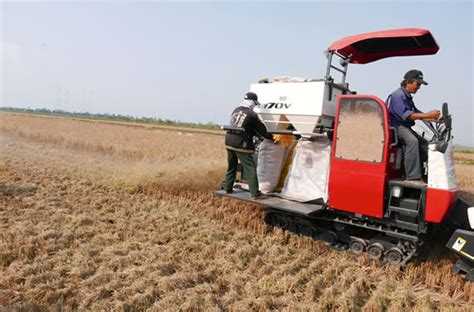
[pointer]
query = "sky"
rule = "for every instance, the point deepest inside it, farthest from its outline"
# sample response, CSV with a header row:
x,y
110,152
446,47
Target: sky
x,y
194,61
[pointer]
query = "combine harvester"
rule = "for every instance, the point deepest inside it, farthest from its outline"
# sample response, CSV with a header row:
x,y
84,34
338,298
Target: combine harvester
x,y
362,201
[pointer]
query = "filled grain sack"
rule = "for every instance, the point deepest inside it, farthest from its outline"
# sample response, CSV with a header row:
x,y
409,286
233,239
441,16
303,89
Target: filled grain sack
x,y
308,175
270,161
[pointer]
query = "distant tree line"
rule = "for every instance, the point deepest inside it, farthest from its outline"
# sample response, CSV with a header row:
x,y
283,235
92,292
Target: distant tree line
x,y
147,120
465,150
106,116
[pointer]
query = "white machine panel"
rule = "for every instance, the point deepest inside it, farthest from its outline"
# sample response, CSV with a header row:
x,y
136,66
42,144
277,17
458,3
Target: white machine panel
x,y
302,104
441,173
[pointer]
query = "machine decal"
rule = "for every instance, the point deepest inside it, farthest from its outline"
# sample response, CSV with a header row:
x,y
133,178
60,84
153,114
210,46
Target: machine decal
x,y
273,105
459,244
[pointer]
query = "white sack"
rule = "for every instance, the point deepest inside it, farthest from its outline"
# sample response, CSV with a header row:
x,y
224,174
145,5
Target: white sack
x,y
270,161
309,173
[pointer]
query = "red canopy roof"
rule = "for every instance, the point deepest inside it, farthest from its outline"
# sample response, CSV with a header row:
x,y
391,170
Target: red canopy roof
x,y
370,47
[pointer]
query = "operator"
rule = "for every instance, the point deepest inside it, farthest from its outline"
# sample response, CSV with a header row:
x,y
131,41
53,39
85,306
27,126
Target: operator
x,y
403,114
240,145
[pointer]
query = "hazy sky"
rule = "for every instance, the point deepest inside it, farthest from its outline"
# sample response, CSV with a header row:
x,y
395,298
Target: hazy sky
x,y
193,61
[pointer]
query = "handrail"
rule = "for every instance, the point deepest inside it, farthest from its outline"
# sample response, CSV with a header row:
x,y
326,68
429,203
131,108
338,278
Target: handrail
x,y
395,135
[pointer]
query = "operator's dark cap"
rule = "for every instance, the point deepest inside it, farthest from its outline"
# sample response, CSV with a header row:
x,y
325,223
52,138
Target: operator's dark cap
x,y
251,96
416,75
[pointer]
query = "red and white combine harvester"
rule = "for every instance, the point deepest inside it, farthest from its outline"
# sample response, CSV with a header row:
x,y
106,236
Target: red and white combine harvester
x,y
359,198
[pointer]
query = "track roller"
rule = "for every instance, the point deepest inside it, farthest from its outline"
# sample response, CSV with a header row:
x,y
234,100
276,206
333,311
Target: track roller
x,y
394,255
339,227
357,246
329,238
306,230
375,251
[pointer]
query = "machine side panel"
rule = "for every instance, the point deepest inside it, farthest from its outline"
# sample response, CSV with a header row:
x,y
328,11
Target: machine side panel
x,y
356,187
439,202
441,174
357,178
442,190
302,105
298,98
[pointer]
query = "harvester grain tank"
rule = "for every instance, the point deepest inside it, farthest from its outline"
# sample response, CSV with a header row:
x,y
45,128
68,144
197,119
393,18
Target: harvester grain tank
x,y
369,206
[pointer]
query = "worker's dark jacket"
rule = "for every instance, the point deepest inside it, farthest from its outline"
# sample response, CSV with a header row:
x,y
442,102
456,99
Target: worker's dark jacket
x,y
244,117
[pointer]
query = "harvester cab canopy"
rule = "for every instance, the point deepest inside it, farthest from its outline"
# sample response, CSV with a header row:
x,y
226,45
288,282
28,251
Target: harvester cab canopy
x,y
373,46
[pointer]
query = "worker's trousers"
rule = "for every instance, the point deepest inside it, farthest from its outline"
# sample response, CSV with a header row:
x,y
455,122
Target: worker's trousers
x,y
249,169
415,152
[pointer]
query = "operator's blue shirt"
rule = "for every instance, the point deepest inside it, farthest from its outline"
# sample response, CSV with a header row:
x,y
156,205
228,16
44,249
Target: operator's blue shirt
x,y
400,106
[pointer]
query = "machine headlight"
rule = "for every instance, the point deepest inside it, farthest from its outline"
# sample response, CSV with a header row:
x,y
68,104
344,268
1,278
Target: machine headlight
x,y
470,216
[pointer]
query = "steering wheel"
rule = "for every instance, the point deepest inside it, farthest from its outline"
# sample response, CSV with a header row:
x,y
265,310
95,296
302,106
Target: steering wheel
x,y
442,129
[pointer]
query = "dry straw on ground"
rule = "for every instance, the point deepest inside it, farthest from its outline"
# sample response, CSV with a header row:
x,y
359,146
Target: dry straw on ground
x,y
102,216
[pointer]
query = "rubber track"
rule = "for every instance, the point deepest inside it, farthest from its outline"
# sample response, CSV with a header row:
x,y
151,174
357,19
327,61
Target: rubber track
x,y
408,245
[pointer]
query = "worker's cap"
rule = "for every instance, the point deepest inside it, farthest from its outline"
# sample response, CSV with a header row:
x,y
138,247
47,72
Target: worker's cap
x,y
416,75
251,96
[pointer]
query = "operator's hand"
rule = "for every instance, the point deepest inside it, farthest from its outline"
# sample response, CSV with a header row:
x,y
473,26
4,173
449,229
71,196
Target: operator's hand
x,y
434,114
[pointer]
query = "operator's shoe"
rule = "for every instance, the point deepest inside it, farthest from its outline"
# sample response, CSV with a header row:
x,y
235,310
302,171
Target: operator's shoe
x,y
259,196
229,191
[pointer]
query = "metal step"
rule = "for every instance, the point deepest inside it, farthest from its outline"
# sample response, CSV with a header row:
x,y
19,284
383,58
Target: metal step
x,y
408,184
409,203
404,211
275,202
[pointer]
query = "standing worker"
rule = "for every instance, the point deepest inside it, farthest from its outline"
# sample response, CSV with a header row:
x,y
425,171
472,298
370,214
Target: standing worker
x,y
240,145
403,114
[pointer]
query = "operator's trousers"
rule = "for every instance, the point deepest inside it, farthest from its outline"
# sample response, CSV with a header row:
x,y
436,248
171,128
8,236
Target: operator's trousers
x,y
415,152
248,166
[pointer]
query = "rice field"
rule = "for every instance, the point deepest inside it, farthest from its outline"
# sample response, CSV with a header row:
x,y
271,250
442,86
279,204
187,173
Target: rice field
x,y
108,216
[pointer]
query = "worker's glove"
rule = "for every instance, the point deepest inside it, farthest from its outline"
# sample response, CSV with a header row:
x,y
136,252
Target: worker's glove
x,y
282,140
275,139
